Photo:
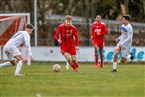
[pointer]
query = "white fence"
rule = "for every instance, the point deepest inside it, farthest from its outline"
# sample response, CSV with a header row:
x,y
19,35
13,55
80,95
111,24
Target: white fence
x,y
85,54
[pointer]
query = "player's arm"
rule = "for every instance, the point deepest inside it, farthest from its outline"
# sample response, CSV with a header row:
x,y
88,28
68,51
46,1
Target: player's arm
x,y
27,44
117,39
103,30
76,38
57,34
92,34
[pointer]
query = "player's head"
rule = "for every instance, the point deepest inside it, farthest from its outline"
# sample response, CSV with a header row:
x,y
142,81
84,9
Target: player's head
x,y
68,20
29,28
126,19
98,18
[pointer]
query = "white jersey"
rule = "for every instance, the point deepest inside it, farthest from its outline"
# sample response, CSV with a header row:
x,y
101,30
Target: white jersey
x,y
20,38
126,36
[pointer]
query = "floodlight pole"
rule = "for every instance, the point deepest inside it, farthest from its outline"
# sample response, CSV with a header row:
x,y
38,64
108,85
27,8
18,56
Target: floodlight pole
x,y
35,21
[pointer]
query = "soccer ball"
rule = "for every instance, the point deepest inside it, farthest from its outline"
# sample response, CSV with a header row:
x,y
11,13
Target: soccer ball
x,y
56,68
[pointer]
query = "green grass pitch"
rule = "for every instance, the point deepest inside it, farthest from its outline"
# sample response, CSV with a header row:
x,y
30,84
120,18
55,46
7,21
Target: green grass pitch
x,y
41,81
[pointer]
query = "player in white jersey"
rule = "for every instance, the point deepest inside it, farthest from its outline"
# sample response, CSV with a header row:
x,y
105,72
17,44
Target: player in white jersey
x,y
124,42
12,51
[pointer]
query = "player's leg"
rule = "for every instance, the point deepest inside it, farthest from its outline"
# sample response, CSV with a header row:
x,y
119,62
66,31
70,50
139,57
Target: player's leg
x,y
20,62
15,58
67,56
95,44
74,60
123,59
72,52
10,57
19,59
131,56
96,55
125,55
116,53
101,46
4,64
66,52
101,57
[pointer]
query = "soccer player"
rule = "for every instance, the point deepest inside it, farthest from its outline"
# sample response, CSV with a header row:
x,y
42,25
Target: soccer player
x,y
98,31
12,51
124,42
67,36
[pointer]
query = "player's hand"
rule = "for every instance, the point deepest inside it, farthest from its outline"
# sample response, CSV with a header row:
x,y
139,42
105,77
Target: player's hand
x,y
25,61
92,37
120,46
116,40
98,33
77,47
59,40
31,58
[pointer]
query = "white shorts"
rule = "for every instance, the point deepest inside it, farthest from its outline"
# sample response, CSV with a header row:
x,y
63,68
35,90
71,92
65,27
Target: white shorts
x,y
125,52
11,52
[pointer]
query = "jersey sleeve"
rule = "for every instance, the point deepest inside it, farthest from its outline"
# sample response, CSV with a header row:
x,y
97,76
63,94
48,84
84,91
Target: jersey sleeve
x,y
104,30
92,34
56,36
76,37
27,43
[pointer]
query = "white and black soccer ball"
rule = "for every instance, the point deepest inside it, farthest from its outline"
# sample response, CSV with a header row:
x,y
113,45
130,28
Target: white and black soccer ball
x,y
56,68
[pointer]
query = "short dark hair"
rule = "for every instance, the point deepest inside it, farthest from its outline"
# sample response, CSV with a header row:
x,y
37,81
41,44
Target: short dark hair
x,y
30,26
127,17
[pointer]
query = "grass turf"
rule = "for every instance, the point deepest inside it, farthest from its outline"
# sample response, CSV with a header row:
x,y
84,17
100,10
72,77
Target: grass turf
x,y
41,81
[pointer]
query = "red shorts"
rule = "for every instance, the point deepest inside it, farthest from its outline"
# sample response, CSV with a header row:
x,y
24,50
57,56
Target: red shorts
x,y
70,50
99,42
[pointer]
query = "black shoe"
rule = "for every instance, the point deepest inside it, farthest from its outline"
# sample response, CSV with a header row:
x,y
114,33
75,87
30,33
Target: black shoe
x,y
114,70
132,57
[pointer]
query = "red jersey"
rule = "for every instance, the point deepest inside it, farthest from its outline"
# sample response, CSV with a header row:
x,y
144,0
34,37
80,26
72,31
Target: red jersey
x,y
68,36
98,39
101,27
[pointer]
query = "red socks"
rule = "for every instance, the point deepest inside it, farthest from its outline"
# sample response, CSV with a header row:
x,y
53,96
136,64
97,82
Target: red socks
x,y
102,62
73,66
96,58
76,64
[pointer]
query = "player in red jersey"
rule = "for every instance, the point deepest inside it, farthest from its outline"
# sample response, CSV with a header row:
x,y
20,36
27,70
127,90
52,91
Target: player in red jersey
x,y
67,36
98,32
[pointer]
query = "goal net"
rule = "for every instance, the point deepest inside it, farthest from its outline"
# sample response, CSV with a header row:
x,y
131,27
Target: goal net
x,y
9,25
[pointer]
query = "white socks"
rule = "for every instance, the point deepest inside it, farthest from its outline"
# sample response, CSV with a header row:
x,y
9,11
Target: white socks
x,y
128,57
114,65
18,67
5,64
